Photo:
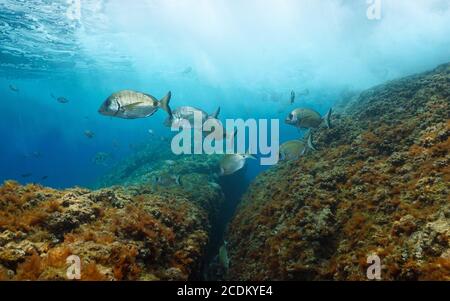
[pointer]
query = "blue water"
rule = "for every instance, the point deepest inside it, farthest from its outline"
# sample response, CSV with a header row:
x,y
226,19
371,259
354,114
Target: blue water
x,y
244,56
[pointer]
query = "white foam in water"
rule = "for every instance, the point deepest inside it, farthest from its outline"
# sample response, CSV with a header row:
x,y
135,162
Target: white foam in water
x,y
253,44
275,43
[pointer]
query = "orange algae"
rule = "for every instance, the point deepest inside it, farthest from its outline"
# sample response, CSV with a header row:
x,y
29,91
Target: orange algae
x,y
387,193
136,242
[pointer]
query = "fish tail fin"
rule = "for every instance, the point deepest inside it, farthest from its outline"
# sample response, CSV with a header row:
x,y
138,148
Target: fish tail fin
x,y
327,118
305,149
309,143
215,115
178,180
221,172
164,103
249,156
306,135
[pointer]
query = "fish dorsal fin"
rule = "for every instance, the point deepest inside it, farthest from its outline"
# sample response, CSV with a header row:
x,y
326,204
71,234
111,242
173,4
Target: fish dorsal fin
x,y
215,115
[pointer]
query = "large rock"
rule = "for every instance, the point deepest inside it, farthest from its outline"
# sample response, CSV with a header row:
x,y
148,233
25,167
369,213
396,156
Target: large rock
x,y
379,184
148,230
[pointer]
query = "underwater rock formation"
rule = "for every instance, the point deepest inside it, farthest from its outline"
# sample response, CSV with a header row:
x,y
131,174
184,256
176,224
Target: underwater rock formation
x,y
146,231
379,184
153,167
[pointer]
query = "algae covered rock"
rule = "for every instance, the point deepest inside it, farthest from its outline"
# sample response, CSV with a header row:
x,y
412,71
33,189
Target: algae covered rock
x,y
154,168
135,226
379,184
118,233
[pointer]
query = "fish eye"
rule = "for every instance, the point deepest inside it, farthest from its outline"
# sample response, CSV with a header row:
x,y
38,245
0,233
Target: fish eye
x,y
291,116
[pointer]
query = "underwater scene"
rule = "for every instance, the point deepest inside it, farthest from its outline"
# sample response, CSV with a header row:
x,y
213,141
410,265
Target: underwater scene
x,y
225,140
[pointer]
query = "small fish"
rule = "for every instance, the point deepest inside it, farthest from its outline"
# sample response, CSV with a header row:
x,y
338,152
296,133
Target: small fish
x,y
186,113
26,175
170,162
167,180
129,104
44,178
37,155
101,158
308,119
151,132
187,71
232,163
62,100
13,88
294,149
223,256
89,134
292,97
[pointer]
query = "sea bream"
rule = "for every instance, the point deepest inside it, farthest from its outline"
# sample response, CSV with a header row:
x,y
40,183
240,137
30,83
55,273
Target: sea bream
x,y
167,179
89,134
186,113
129,104
13,88
294,149
232,163
223,256
308,119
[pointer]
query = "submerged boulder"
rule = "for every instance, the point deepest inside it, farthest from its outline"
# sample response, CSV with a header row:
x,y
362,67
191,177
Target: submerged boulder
x,y
378,185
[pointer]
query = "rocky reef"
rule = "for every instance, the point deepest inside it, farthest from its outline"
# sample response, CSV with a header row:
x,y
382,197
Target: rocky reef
x,y
152,228
378,184
155,167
